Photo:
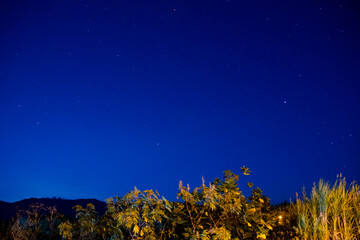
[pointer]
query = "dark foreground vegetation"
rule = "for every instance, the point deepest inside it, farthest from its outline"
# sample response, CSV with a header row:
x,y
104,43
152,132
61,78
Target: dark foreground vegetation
x,y
215,211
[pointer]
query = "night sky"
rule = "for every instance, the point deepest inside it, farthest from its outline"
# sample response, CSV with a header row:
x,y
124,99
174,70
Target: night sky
x,y
97,97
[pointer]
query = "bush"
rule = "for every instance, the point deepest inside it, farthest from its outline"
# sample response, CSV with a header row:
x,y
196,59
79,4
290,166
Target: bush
x,y
216,211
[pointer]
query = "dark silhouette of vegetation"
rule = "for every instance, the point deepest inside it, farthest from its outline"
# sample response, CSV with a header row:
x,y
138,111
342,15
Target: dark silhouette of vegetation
x,y
217,210
36,223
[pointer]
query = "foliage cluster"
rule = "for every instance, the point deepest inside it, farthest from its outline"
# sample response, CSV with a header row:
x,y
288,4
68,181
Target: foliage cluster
x,y
215,211
218,210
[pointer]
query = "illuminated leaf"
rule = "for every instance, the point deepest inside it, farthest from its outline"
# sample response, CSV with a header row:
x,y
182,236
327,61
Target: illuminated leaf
x,y
245,170
136,229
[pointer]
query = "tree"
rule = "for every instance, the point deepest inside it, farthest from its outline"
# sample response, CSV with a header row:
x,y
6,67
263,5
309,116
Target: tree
x,y
221,211
141,214
215,211
85,227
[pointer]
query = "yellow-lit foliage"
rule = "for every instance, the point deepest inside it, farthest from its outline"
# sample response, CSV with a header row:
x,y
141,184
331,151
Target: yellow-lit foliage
x,y
331,212
86,226
142,214
218,210
221,211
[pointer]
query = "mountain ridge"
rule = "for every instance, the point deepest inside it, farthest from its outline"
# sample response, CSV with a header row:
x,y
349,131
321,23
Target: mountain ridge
x,y
63,206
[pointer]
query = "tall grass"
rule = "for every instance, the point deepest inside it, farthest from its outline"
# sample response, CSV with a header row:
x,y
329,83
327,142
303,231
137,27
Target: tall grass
x,y
331,212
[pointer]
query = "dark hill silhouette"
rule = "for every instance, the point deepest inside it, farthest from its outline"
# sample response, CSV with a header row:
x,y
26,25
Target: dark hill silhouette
x,y
64,206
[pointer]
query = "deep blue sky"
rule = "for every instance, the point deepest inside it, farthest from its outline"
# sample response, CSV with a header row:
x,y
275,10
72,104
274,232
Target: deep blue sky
x,y
99,96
